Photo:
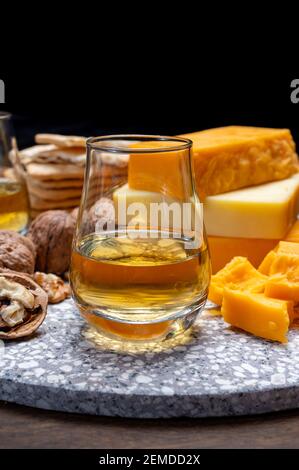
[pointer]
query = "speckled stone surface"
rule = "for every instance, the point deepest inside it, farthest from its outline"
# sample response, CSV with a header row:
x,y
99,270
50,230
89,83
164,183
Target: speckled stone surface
x,y
213,372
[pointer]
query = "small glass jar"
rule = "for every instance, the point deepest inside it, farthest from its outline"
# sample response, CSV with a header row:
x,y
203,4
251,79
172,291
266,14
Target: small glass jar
x,y
14,205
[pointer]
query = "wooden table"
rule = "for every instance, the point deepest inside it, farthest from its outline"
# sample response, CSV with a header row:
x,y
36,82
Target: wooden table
x,y
22,427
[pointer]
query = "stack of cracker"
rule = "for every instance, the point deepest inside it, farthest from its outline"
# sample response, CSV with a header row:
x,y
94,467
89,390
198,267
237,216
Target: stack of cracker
x,y
54,171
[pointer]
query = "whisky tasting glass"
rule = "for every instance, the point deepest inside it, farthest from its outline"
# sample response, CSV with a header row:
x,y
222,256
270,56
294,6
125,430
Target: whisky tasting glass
x,y
14,207
140,267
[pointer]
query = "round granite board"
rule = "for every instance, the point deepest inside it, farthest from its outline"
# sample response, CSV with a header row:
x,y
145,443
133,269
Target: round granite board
x,y
215,372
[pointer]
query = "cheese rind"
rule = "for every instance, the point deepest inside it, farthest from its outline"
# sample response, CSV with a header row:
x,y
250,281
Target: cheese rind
x,y
266,211
228,158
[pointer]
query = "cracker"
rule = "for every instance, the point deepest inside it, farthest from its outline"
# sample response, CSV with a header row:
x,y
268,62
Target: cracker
x,y
45,204
55,194
54,172
61,140
51,154
54,184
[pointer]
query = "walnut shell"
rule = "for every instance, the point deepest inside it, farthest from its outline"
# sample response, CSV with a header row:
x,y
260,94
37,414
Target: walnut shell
x,y
36,317
52,234
17,253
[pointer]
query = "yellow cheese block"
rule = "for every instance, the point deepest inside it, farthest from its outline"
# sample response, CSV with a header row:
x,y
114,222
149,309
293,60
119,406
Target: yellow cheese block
x,y
238,274
228,158
223,249
257,314
156,210
265,211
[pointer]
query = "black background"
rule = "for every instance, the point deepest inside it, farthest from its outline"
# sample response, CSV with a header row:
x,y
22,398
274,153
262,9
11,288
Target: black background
x,y
120,100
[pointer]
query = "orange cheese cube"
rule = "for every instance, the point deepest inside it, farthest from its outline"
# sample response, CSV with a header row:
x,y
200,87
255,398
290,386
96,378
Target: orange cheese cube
x,y
279,287
223,249
287,264
282,266
257,314
233,157
284,277
238,274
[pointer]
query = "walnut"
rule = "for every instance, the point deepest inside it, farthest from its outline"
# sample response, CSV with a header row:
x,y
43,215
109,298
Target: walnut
x,y
55,287
17,253
23,305
52,233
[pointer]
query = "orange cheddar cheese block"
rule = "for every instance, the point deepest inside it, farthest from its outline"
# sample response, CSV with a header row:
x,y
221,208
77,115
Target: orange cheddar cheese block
x,y
238,274
257,314
223,249
233,157
160,172
293,234
280,287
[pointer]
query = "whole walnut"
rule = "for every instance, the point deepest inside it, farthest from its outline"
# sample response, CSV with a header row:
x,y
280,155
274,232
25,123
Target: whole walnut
x,y
52,233
17,253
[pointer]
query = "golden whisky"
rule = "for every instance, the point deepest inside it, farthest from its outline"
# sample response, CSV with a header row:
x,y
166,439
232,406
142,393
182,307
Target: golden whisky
x,y
14,213
138,281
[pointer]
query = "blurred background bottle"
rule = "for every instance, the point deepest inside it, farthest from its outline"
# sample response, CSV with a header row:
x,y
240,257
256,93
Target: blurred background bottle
x,y
14,206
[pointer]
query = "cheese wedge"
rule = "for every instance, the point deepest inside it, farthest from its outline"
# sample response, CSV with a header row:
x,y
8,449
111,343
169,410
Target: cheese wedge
x,y
233,157
266,211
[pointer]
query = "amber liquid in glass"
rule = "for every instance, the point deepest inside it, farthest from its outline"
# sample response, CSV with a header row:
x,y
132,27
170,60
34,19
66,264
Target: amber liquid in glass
x,y
142,283
13,205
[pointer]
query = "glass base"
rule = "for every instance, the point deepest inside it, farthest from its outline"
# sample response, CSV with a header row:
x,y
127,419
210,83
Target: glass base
x,y
144,332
